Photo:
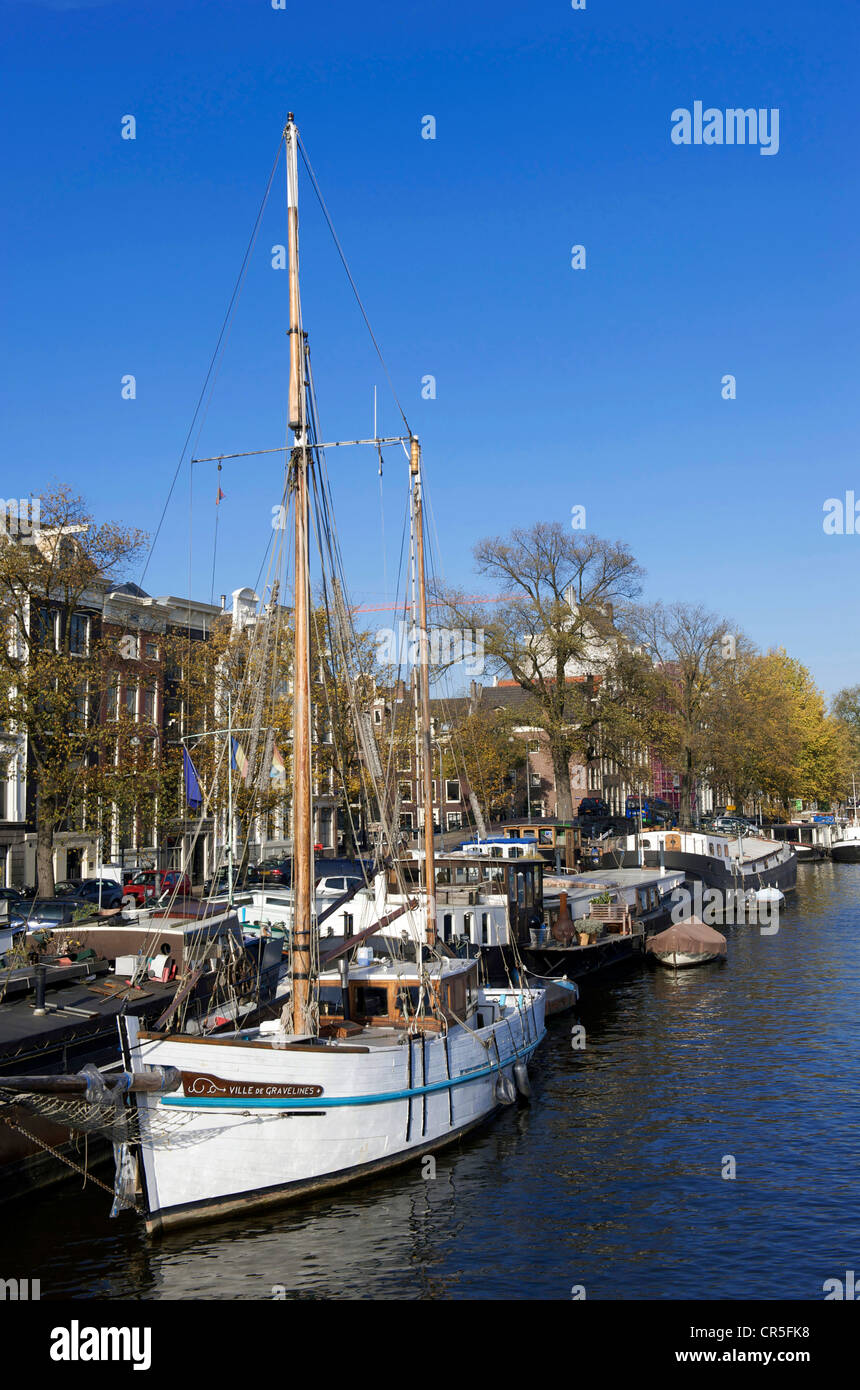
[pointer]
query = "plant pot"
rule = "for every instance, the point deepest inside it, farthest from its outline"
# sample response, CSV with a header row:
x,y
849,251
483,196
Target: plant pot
x,y
585,938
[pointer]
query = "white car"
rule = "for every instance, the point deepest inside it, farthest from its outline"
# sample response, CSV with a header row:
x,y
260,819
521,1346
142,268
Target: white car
x,y
335,885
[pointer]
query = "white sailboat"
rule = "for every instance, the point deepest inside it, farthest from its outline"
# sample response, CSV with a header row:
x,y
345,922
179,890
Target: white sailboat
x,y
378,1060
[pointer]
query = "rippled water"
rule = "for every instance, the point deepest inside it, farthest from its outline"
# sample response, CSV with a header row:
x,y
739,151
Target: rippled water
x,y
610,1179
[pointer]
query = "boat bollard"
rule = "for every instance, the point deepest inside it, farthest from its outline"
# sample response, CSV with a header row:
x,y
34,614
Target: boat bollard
x,y
39,1009
343,966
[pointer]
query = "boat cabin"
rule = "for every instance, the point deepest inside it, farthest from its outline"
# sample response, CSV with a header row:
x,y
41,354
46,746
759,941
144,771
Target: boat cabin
x,y
386,993
557,841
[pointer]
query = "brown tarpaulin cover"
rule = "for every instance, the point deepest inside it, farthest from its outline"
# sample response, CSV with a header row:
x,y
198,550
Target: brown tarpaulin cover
x,y
691,936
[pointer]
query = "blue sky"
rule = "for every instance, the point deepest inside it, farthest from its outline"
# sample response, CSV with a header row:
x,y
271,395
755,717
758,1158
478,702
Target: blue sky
x,y
555,387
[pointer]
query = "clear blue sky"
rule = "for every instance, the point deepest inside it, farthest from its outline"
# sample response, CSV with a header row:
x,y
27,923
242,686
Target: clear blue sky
x,y
555,387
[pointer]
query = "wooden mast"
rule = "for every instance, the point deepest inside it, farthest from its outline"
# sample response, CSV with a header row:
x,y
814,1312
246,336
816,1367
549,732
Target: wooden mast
x,y
424,667
302,1016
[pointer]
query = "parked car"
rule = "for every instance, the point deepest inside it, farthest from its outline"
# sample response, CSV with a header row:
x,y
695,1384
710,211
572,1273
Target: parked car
x,y
592,806
335,885
274,871
48,912
653,810
10,895
88,890
218,884
148,884
735,825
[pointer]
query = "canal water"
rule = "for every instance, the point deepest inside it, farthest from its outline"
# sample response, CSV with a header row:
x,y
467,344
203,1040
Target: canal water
x,y
611,1181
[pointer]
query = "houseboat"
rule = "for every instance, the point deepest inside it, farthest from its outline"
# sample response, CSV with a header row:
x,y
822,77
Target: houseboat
x,y
725,862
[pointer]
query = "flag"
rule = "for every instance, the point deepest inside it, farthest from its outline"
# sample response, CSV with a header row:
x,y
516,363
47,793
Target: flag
x,y
219,498
193,794
239,761
279,771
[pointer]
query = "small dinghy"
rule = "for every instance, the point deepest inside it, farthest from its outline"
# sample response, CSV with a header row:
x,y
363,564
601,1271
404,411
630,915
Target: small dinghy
x,y
685,943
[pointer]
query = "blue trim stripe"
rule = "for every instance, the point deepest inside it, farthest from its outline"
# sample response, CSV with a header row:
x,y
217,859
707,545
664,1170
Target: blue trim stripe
x,y
323,1103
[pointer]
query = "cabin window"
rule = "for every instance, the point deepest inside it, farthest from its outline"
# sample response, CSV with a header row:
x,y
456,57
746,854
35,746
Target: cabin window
x,y
457,997
447,925
371,1001
710,848
469,924
331,1001
407,999
485,928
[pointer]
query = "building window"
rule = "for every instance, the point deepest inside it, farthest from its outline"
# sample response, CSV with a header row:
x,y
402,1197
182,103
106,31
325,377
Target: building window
x,y
148,704
113,700
150,649
377,716
81,703
455,820
130,701
405,791
452,789
44,627
79,628
405,820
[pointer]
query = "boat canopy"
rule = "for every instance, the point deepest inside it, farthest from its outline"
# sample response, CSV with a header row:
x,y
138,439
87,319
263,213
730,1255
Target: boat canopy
x,y
691,937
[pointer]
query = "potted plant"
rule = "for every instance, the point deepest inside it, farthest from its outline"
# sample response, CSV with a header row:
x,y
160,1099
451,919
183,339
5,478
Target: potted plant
x,y
587,929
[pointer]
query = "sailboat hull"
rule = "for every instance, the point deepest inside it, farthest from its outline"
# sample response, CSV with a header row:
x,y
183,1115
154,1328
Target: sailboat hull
x,y
256,1125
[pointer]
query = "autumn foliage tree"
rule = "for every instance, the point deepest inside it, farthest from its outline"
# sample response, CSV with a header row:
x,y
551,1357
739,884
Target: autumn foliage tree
x,y
54,663
553,624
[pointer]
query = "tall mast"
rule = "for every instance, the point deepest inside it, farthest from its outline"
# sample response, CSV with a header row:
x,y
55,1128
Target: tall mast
x,y
424,667
303,1021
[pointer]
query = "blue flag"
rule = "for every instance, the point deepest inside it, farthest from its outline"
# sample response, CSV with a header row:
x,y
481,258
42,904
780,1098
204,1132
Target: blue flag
x,y
193,795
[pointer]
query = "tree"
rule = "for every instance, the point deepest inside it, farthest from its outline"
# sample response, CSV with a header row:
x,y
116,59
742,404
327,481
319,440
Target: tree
x,y
553,628
688,646
767,732
846,711
55,663
485,748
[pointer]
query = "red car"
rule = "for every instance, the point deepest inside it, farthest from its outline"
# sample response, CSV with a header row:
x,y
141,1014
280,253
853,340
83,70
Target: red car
x,y
146,885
